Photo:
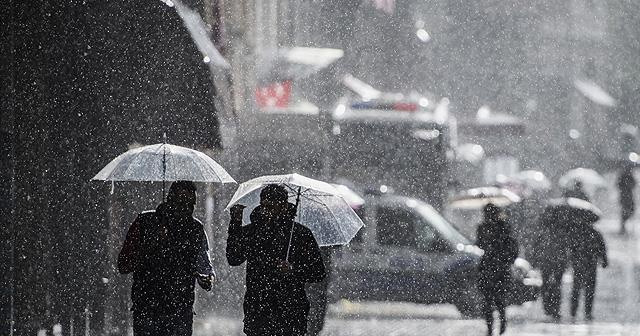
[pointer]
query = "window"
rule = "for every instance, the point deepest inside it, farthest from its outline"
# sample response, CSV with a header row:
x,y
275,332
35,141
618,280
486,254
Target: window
x,y
396,227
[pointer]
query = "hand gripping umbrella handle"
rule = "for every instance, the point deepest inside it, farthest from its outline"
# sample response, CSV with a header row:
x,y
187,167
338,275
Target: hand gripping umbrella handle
x,y
293,223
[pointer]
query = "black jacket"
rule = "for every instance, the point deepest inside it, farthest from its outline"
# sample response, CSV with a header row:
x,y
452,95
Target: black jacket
x,y
500,251
263,245
164,253
588,247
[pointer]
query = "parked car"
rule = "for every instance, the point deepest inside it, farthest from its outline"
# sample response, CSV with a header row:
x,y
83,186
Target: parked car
x,y
408,252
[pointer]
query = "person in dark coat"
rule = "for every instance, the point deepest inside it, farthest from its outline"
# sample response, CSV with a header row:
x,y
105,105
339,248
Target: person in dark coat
x,y
281,256
494,273
167,251
587,250
317,295
626,184
551,255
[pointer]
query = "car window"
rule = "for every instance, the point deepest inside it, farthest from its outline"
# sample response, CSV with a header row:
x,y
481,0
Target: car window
x,y
396,227
440,225
426,236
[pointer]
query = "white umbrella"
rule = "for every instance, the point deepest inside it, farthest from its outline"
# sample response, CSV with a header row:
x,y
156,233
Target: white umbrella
x,y
477,198
590,178
354,200
321,207
164,162
533,179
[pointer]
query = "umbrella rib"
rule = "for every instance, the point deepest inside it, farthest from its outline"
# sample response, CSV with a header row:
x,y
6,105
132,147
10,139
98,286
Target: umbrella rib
x,y
344,236
307,191
196,165
134,158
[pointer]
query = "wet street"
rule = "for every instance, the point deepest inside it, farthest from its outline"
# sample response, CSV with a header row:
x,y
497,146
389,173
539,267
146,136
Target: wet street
x,y
616,309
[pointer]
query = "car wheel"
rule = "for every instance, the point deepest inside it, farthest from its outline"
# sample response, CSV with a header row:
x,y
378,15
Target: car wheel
x,y
468,300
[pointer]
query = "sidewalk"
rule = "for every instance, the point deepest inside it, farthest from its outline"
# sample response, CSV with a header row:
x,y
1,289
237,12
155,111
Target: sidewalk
x,y
616,307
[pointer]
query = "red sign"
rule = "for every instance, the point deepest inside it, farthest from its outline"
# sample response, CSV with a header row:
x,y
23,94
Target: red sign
x,y
274,95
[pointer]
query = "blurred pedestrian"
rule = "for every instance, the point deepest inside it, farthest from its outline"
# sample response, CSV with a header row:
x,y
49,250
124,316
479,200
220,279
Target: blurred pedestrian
x,y
551,255
626,184
167,251
588,248
576,191
317,295
494,237
282,256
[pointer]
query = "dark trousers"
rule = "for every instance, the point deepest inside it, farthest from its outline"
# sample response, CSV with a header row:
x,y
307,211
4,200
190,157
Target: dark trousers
x,y
493,301
583,280
177,322
552,290
276,321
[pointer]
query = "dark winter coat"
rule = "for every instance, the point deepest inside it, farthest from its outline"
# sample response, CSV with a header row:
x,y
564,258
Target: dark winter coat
x,y
164,253
626,184
273,296
551,248
500,251
587,248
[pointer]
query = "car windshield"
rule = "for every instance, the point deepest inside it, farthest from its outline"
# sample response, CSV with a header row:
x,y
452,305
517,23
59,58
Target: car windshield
x,y
446,230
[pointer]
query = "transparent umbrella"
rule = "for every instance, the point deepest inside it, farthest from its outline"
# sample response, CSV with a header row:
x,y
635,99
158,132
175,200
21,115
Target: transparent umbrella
x,y
588,177
321,207
164,162
533,179
477,198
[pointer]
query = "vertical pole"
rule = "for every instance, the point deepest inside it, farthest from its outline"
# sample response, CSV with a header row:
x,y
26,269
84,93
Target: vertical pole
x,y
293,224
164,163
86,321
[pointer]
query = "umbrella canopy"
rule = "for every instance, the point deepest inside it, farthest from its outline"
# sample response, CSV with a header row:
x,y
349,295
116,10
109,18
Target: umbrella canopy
x,y
589,178
533,179
322,208
477,198
569,212
164,162
354,200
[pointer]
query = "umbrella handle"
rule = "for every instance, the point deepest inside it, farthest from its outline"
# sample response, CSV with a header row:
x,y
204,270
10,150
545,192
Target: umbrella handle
x,y
293,224
290,238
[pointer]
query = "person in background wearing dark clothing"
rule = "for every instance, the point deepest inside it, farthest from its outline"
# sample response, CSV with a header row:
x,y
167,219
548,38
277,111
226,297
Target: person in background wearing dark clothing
x,y
626,184
551,255
586,251
167,251
576,192
494,237
317,295
282,256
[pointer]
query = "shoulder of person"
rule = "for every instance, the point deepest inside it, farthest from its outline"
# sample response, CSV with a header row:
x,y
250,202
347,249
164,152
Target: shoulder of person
x,y
248,229
303,230
147,215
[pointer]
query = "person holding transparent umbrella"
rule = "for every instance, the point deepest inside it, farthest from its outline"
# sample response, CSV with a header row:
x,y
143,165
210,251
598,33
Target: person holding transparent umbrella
x,y
281,256
167,251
